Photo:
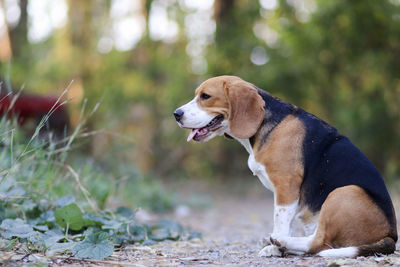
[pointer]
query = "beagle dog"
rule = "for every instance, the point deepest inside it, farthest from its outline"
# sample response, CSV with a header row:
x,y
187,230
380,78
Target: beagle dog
x,y
329,199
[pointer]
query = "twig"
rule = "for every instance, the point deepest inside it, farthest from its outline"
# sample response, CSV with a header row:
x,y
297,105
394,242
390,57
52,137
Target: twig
x,y
55,106
4,197
326,244
24,257
102,261
83,189
122,136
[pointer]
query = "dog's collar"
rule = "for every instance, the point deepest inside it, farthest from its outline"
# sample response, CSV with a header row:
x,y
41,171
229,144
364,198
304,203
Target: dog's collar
x,y
228,136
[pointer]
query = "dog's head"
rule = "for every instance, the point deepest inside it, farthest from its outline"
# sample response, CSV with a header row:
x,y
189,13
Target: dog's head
x,y
222,105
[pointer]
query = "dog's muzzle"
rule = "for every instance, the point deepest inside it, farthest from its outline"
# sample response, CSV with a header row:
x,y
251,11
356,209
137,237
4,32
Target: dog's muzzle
x,y
178,114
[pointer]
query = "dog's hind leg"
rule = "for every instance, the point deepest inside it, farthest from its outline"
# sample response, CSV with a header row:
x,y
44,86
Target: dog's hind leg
x,y
283,216
294,245
350,224
271,251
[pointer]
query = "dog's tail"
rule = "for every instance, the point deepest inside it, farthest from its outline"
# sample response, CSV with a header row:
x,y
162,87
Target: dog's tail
x,y
384,246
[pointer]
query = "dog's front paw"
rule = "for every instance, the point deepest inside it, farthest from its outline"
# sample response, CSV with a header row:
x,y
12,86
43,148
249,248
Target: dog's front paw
x,y
278,241
271,251
265,241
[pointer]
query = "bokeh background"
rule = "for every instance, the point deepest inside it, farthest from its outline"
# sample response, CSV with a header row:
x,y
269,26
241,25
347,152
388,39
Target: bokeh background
x,y
141,59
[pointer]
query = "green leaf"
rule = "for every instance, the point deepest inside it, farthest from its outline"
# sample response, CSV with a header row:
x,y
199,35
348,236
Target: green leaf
x,y
36,238
46,218
95,246
59,248
124,211
64,201
16,191
193,235
94,218
51,237
28,205
166,229
137,233
16,228
42,228
159,234
112,225
148,242
171,225
71,215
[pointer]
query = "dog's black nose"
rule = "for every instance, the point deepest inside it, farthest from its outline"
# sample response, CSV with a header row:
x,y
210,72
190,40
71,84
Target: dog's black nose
x,y
178,115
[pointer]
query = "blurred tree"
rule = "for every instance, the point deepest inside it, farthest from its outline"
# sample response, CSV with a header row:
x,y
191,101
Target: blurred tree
x,y
234,38
338,59
343,63
19,34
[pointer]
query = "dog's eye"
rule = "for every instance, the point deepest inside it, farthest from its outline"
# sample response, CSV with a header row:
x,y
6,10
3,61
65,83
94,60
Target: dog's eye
x,y
204,96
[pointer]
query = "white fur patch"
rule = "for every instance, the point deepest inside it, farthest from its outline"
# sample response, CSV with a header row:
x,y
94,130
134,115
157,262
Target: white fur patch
x,y
349,252
257,168
283,216
300,228
270,251
297,245
194,116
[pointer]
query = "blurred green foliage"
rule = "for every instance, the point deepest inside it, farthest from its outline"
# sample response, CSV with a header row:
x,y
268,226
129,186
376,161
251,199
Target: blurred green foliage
x,y
36,171
337,59
49,205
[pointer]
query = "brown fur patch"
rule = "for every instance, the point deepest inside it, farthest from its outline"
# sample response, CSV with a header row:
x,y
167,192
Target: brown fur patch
x,y
385,246
349,218
307,216
246,109
218,102
282,157
237,100
304,222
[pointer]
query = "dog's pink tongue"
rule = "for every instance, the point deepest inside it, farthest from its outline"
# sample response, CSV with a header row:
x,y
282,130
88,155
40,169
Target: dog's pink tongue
x,y
192,134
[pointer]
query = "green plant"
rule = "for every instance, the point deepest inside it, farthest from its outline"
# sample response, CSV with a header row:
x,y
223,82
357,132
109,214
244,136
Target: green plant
x,y
47,206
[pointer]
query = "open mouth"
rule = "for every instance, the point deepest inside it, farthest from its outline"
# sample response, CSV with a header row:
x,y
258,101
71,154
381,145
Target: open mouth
x,y
198,133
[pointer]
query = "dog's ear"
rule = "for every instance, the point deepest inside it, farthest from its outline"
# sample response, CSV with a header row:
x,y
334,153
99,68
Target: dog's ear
x,y
246,108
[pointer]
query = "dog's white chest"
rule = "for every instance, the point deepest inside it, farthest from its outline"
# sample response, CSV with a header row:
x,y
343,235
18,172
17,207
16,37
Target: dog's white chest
x,y
259,170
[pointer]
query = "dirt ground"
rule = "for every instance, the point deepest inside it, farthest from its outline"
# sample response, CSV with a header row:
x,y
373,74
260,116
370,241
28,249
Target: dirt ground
x,y
232,229
232,236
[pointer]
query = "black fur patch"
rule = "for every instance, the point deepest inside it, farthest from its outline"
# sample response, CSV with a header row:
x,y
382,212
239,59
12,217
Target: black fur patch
x,y
275,111
330,160
385,246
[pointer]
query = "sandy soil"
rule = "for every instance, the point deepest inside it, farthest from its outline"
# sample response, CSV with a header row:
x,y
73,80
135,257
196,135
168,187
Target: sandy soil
x,y
232,230
232,236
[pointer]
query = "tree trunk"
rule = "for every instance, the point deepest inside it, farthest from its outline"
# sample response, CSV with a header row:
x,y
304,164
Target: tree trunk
x,y
19,34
